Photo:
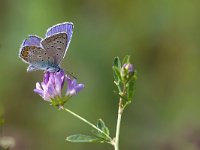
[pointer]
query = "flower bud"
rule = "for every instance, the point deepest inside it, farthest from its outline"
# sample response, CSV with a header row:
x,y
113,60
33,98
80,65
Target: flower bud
x,y
128,68
127,71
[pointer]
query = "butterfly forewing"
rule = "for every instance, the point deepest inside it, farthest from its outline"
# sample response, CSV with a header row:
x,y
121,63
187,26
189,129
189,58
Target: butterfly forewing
x,y
55,46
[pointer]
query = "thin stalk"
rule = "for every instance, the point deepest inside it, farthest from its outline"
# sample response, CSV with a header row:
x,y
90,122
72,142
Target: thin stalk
x,y
87,122
120,111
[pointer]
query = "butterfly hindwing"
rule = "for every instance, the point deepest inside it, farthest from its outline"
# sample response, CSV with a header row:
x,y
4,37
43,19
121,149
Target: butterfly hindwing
x,y
32,40
37,57
56,46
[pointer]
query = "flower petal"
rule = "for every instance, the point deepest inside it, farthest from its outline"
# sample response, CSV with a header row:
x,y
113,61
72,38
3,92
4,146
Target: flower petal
x,y
38,86
39,92
72,87
79,87
69,84
59,81
46,77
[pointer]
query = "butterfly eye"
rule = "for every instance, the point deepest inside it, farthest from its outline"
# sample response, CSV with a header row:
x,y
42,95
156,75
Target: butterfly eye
x,y
58,70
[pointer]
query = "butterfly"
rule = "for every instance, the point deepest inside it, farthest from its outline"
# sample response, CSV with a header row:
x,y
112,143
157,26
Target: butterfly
x,y
46,54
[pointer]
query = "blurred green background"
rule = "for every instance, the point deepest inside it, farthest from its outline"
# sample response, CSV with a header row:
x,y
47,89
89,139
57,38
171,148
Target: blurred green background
x,y
163,39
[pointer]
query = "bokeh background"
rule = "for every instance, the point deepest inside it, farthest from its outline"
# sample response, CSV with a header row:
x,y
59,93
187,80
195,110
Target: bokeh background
x,y
163,39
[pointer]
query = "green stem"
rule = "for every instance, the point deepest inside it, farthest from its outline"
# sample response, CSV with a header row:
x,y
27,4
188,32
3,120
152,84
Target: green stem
x,y
87,122
120,111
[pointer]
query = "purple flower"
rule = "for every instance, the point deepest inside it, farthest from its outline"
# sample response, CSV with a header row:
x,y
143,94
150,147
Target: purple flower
x,y
72,87
51,87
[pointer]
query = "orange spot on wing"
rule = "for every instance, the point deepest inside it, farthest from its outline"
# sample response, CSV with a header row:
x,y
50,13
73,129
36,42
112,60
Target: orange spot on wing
x,y
25,52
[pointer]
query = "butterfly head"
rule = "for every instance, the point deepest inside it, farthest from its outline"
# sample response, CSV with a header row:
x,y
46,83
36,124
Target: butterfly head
x,y
53,69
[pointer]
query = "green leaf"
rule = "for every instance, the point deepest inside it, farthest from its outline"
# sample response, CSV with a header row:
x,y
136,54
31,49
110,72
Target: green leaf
x,y
117,75
126,59
83,138
117,63
101,125
130,90
105,135
130,87
116,78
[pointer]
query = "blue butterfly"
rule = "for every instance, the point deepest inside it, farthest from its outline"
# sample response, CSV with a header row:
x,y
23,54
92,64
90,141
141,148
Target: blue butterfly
x,y
46,54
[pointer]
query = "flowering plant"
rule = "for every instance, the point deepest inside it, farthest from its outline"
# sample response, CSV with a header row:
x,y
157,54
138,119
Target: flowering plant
x,y
46,54
51,90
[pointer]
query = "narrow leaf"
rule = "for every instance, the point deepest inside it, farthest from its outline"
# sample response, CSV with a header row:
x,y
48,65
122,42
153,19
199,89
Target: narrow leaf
x,y
116,78
105,135
117,63
126,59
82,138
130,88
117,75
101,125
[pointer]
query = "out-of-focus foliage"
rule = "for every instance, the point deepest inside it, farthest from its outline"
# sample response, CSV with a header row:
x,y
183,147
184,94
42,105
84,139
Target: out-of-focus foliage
x,y
162,37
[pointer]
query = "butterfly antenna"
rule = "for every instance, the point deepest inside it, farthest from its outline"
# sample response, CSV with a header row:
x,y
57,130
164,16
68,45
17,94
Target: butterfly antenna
x,y
71,74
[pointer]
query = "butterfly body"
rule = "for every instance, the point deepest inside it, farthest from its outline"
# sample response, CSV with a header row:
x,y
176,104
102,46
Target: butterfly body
x,y
46,54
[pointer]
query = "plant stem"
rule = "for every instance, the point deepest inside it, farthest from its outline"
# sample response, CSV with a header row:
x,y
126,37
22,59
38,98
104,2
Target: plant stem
x,y
120,111
87,122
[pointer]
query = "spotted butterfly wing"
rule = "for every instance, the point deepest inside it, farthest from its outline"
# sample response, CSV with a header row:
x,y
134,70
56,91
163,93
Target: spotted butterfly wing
x,y
66,27
37,58
56,46
57,40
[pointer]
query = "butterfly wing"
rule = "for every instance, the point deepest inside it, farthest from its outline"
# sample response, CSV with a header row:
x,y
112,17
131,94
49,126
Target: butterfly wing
x,y
32,40
37,57
56,46
66,27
